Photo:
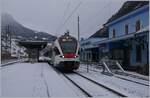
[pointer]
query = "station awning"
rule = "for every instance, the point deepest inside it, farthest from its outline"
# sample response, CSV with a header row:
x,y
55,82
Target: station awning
x,y
33,44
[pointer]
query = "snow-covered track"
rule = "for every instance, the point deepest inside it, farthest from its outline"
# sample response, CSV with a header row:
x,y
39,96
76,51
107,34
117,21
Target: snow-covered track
x,y
90,87
84,91
131,80
123,78
135,76
110,89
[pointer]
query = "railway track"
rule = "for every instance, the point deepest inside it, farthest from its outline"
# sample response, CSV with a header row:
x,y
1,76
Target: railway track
x,y
135,76
119,76
91,88
84,91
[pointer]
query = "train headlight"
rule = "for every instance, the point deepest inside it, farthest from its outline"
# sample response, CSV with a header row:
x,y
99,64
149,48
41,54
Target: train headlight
x,y
62,56
75,56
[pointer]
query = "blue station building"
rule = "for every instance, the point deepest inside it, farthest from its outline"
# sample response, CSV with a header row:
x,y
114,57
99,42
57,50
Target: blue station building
x,y
90,50
128,35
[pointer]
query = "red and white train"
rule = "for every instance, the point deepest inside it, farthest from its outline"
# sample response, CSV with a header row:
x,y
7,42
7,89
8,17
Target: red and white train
x,y
65,53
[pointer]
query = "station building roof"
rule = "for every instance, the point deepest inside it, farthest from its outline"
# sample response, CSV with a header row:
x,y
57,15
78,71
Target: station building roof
x,y
127,7
102,33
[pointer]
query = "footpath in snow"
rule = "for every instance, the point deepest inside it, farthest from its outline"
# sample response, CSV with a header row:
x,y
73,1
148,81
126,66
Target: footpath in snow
x,y
33,80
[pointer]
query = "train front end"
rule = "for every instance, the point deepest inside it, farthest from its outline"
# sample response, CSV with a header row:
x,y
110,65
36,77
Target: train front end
x,y
69,60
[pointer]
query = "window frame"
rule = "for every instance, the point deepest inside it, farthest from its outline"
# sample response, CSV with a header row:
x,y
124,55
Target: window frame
x,y
113,33
138,54
126,29
137,25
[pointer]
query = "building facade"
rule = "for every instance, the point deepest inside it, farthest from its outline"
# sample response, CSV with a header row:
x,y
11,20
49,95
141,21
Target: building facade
x,y
90,50
16,50
128,39
129,34
5,42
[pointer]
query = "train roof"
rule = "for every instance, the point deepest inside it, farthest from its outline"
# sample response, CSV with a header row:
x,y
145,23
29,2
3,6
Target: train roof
x,y
66,35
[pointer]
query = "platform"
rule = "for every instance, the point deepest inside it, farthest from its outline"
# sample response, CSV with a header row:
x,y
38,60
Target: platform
x,y
33,80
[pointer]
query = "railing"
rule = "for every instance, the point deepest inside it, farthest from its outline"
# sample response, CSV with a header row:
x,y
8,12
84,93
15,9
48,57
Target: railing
x,y
108,66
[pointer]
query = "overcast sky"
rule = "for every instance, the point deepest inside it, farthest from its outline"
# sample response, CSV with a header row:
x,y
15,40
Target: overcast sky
x,y
50,15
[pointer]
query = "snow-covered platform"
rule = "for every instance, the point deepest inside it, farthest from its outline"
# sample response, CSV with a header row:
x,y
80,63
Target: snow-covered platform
x,y
37,79
128,88
41,80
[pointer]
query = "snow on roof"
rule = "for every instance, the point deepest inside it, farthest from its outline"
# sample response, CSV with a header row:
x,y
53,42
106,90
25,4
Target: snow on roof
x,y
128,7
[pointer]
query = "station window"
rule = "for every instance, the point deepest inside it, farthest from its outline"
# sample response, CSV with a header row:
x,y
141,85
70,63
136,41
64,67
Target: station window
x,y
126,29
138,25
138,53
114,33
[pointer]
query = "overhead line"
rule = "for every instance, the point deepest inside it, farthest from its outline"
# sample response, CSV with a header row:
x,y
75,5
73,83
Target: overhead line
x,y
92,27
68,5
70,15
97,13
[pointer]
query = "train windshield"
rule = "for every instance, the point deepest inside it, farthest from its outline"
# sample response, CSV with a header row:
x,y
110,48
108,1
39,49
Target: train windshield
x,y
68,45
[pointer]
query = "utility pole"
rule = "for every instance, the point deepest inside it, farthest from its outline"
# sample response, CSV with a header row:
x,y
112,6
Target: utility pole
x,y
10,38
78,30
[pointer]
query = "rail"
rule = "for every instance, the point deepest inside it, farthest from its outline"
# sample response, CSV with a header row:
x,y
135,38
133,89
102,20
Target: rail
x,y
84,91
102,85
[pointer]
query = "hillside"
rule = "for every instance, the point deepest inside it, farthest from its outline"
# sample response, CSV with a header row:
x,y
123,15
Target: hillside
x,y
20,31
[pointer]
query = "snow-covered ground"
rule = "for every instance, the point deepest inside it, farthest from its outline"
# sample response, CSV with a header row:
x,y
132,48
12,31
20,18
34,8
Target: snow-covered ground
x,y
130,77
126,87
22,80
41,80
30,80
91,88
133,79
0,83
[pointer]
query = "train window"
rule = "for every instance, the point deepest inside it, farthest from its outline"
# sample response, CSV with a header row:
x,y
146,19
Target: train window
x,y
68,45
56,51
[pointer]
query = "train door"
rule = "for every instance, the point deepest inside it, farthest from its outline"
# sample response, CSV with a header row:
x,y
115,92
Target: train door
x,y
55,55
